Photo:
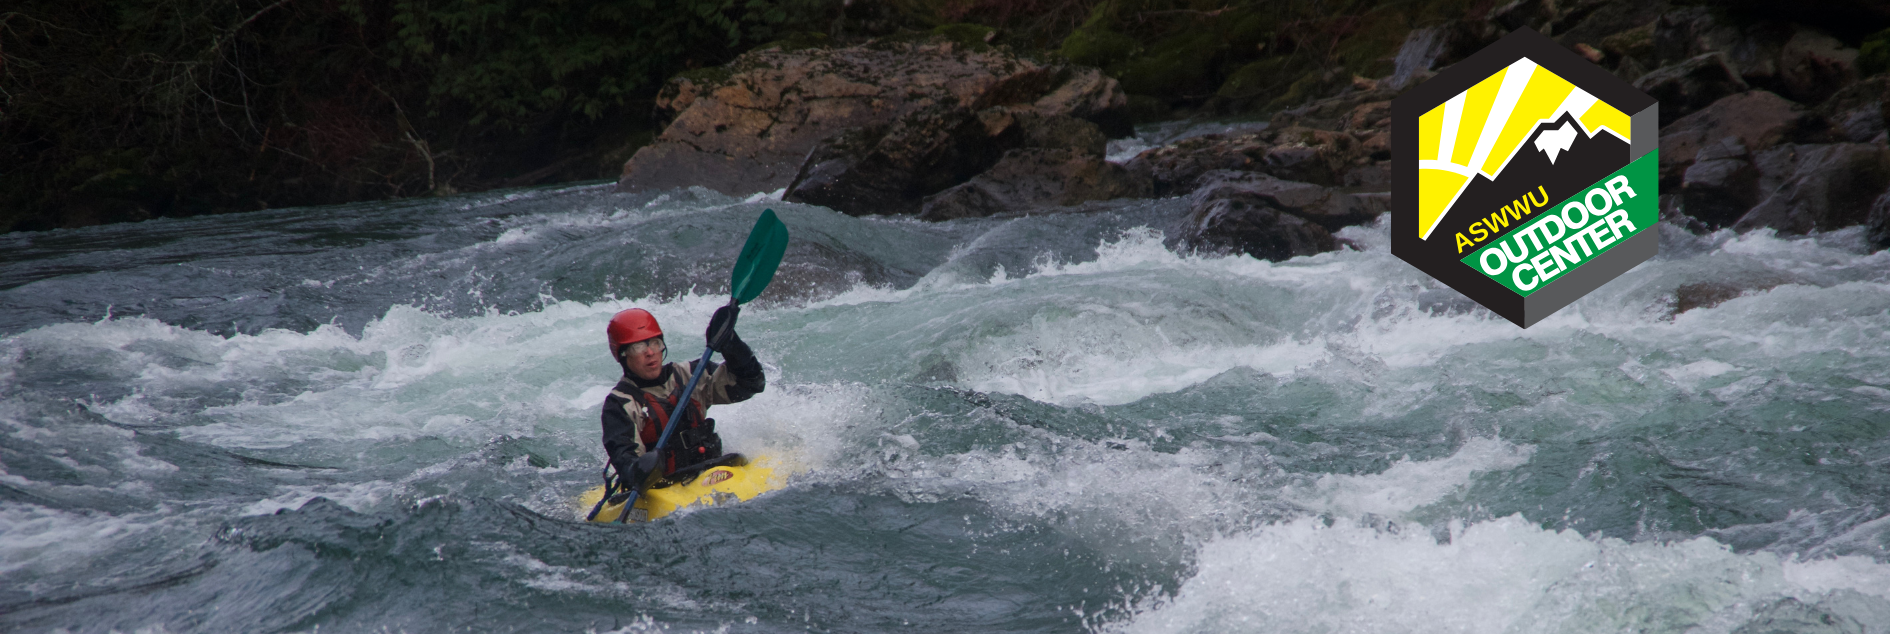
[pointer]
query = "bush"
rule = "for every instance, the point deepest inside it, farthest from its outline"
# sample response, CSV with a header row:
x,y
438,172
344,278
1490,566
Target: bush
x,y
1874,56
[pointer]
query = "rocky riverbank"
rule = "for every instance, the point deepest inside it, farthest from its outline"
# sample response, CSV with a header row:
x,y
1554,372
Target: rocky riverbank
x,y
1776,125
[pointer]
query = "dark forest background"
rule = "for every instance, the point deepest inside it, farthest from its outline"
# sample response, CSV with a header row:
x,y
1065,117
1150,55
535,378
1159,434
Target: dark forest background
x,y
123,110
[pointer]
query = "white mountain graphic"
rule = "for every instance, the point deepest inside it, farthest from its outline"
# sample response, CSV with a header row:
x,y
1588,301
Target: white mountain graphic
x,y
1554,142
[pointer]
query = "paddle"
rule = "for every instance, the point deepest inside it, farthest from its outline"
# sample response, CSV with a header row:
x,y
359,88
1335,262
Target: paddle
x,y
754,268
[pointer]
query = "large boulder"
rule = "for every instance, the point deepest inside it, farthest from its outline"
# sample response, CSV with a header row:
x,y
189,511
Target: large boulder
x,y
1758,119
1032,178
1269,218
1690,85
1249,225
1858,112
750,126
1721,185
1177,168
1619,28
1831,186
1814,65
1751,50
1298,153
870,172
889,169
1877,224
1797,61
1328,207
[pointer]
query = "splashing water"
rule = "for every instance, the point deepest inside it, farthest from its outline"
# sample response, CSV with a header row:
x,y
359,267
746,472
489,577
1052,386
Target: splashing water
x,y
376,417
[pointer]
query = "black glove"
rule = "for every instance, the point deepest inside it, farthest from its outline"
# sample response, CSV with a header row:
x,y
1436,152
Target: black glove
x,y
722,324
647,464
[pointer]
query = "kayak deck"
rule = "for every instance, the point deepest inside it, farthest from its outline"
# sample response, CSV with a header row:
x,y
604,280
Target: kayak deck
x,y
739,480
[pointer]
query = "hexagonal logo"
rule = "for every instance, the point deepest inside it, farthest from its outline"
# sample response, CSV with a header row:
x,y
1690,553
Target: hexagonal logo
x,y
1525,177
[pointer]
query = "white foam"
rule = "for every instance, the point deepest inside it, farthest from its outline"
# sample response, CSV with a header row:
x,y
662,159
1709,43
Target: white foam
x,y
360,497
38,540
1503,575
1690,375
1409,484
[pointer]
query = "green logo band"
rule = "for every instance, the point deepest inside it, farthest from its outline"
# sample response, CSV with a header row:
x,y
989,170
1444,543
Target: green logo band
x,y
1572,232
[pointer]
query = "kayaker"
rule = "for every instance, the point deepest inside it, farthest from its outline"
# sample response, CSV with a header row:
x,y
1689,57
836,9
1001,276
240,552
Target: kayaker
x,y
640,404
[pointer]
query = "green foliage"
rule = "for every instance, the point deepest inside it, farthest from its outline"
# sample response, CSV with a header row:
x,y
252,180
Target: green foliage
x,y
1180,65
1098,46
1026,24
1185,50
507,60
1874,56
965,34
1263,79
126,109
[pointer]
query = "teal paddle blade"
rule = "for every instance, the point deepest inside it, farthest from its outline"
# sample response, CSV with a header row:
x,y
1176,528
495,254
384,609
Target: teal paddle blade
x,y
755,268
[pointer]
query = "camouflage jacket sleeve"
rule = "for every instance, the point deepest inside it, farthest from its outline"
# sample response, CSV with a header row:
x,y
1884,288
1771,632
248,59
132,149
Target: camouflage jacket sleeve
x,y
734,381
622,418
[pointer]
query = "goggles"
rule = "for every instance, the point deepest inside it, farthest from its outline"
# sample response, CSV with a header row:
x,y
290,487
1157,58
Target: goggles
x,y
645,345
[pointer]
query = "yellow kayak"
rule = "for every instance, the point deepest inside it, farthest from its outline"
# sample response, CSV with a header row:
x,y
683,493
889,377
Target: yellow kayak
x,y
738,479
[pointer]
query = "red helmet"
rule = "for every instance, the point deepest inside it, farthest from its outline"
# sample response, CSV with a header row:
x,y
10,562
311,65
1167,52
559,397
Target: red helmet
x,y
631,326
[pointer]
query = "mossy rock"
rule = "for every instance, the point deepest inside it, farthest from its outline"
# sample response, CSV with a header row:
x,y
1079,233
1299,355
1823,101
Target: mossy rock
x,y
1096,46
1874,56
1637,42
1263,79
1310,86
1146,109
1178,66
1251,31
965,33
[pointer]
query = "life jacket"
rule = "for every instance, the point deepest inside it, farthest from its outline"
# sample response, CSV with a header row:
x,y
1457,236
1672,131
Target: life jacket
x,y
694,439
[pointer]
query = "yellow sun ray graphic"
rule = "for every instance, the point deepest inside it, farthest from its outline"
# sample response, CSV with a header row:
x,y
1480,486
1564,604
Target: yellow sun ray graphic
x,y
1480,130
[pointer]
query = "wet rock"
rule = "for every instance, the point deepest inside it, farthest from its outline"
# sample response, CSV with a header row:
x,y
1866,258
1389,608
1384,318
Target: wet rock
x,y
1703,295
1796,61
1691,85
1635,44
1080,92
749,126
841,173
1460,39
1297,153
1751,51
1758,120
1369,118
1813,66
1251,225
1721,185
1619,29
1326,206
1858,112
1310,155
1374,177
1416,57
1877,224
890,169
1831,187
1177,169
1033,178
1330,113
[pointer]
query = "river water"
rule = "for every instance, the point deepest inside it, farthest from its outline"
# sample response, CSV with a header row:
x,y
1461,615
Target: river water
x,y
374,418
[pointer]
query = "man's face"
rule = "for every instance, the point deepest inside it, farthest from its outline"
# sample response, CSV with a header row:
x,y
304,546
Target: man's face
x,y
645,358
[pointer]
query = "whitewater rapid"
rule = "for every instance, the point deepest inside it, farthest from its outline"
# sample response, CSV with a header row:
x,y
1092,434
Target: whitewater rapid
x,y
1041,423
